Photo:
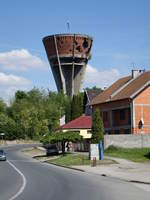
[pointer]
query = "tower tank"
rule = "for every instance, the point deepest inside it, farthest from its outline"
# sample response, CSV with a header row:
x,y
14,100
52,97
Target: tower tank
x,y
68,55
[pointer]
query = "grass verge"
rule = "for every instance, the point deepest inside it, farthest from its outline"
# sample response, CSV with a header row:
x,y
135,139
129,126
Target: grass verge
x,y
71,160
136,155
77,159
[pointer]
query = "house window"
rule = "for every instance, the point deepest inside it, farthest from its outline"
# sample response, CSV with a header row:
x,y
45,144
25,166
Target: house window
x,y
89,132
105,116
116,132
122,114
127,131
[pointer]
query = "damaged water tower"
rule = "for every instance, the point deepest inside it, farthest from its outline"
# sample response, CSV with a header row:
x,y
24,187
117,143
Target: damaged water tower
x,y
68,55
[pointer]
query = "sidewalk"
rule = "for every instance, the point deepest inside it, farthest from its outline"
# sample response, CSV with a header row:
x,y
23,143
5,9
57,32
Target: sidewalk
x,y
125,170
137,173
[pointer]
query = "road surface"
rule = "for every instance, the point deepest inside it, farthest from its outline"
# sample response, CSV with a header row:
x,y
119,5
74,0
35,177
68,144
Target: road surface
x,y
22,178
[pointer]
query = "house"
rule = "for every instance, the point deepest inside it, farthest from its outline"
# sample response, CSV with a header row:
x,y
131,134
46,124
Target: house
x,y
82,125
89,95
125,105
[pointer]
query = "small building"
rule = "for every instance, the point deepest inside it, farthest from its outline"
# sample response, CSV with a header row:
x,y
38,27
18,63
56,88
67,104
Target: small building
x,y
83,125
125,105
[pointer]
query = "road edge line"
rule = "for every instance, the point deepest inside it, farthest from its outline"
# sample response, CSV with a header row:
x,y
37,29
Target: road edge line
x,y
23,180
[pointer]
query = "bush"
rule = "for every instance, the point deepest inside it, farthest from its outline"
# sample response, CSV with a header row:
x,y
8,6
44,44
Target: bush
x,y
112,148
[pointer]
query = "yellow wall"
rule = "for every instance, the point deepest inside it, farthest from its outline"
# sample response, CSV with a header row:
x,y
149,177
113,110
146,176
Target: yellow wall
x,y
83,132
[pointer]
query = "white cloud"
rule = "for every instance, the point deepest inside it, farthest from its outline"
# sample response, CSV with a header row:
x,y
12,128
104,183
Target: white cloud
x,y
100,78
12,80
9,84
20,59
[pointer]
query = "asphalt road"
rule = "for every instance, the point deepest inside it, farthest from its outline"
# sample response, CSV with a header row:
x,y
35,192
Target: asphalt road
x,y
22,178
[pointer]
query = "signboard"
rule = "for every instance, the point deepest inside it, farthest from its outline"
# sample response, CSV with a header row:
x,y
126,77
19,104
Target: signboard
x,y
62,120
94,151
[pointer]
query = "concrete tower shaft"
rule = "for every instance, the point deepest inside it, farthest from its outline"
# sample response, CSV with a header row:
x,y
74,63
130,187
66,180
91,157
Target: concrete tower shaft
x,y
68,55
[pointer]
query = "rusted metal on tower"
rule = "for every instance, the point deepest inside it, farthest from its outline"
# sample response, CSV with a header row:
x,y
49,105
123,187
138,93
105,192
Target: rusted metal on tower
x,y
68,55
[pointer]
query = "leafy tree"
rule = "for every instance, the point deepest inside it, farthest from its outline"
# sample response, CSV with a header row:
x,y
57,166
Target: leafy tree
x,y
93,88
97,127
2,106
36,113
10,128
63,137
20,95
67,109
77,106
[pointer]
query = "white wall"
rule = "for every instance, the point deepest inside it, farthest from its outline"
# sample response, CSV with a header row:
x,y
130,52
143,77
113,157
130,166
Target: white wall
x,y
127,141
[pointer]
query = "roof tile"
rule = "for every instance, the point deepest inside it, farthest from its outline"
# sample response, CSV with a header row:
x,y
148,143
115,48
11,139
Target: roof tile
x,y
125,92
82,122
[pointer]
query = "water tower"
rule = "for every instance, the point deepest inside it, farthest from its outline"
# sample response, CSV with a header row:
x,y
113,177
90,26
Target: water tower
x,y
68,55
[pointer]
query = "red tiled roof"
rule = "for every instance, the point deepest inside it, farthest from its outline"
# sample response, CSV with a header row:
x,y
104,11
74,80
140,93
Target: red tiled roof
x,y
82,122
105,95
123,89
133,87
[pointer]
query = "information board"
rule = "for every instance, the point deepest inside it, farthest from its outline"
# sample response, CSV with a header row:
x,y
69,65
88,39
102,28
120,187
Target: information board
x,y
94,151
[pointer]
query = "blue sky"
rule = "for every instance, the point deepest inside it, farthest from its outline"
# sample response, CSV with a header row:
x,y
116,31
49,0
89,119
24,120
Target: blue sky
x,y
120,30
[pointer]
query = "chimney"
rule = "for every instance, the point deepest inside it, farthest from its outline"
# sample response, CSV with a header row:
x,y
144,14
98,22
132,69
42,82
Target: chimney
x,y
136,72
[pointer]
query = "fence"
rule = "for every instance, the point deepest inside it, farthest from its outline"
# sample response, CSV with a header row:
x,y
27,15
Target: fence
x,y
127,141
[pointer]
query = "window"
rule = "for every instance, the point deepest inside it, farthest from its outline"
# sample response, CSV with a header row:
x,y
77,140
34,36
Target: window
x,y
122,114
89,132
116,132
127,131
107,132
105,116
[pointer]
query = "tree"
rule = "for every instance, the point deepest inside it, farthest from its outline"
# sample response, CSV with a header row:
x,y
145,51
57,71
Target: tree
x,y
20,95
62,137
37,112
10,128
2,106
93,88
77,106
97,128
67,109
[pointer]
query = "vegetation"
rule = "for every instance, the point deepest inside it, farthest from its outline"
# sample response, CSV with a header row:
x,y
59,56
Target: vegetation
x,y
34,114
31,114
78,159
93,88
77,106
97,128
136,154
62,137
71,159
68,109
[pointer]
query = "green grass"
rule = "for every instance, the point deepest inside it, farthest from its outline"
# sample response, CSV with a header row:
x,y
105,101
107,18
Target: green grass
x,y
78,159
136,155
70,160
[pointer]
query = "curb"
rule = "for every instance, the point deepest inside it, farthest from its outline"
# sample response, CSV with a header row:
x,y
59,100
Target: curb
x,y
140,182
103,175
73,168
121,179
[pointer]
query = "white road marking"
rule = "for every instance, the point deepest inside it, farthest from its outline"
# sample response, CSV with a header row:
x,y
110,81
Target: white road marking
x,y
24,181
